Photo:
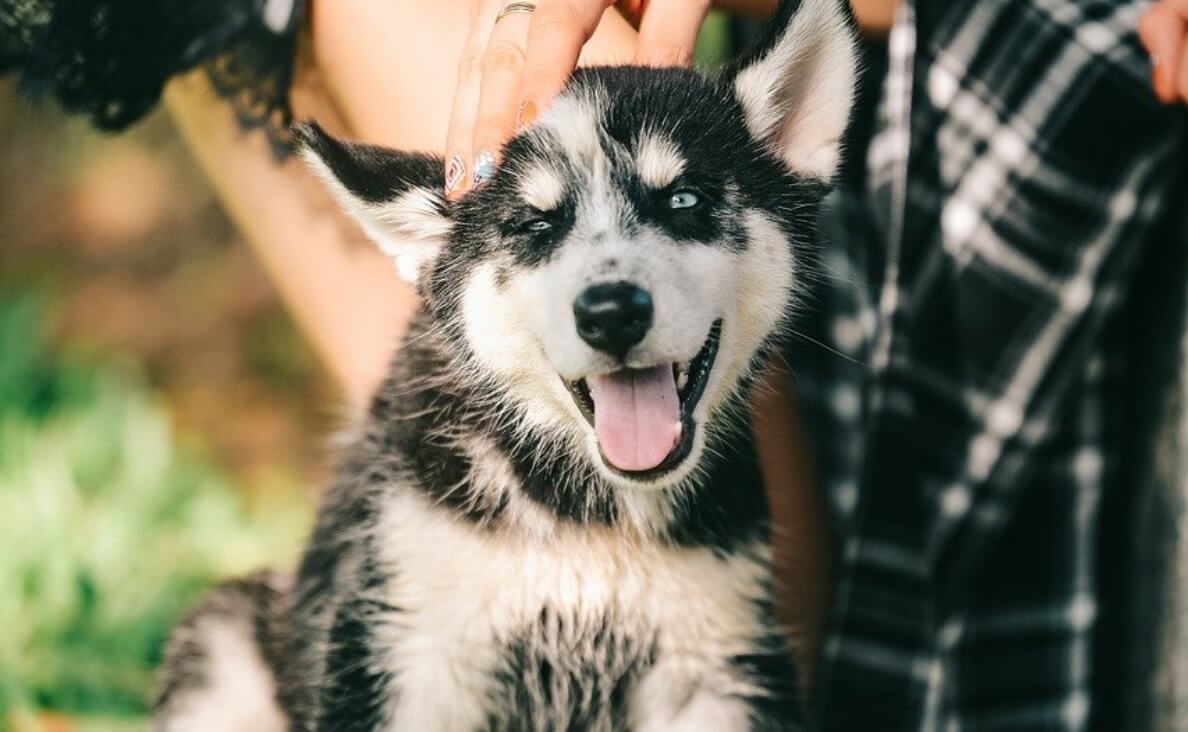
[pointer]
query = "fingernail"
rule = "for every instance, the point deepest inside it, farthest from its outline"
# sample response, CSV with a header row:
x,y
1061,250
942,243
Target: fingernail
x,y
527,115
484,167
455,173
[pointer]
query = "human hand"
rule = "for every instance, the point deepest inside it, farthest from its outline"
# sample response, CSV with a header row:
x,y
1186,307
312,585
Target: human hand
x,y
1163,29
518,58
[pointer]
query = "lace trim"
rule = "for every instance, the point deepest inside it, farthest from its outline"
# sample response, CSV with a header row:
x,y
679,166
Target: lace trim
x,y
110,59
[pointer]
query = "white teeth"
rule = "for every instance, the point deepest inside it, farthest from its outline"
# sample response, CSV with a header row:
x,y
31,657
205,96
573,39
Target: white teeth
x,y
683,377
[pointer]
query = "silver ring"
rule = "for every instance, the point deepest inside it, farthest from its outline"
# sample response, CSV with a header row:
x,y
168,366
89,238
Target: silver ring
x,y
516,7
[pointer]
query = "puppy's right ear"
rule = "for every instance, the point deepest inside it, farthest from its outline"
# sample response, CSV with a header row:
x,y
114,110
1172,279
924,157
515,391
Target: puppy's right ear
x,y
395,196
797,88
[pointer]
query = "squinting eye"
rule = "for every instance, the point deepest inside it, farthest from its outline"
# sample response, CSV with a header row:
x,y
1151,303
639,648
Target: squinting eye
x,y
536,225
683,199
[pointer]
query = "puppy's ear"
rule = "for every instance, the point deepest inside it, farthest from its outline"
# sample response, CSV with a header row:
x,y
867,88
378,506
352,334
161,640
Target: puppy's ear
x,y
796,90
395,196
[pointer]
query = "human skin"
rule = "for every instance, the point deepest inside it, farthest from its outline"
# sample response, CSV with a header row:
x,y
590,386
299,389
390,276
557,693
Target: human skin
x,y
1163,29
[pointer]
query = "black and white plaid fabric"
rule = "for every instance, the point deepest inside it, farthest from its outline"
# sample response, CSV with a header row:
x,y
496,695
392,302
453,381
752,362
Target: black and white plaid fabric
x,y
966,400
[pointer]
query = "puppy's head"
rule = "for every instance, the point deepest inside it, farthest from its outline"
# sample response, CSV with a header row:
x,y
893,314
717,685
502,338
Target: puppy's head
x,y
636,249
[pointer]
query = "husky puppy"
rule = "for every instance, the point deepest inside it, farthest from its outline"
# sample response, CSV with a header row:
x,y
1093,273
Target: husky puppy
x,y
552,517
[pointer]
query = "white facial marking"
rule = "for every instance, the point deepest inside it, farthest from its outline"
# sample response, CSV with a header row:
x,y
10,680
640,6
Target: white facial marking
x,y
658,161
542,188
767,273
502,327
573,121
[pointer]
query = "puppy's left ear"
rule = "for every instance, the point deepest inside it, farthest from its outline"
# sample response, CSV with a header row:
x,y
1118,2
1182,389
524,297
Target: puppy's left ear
x,y
798,88
395,196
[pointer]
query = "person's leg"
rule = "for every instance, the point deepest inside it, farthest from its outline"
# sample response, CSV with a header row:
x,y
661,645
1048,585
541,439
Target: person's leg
x,y
342,292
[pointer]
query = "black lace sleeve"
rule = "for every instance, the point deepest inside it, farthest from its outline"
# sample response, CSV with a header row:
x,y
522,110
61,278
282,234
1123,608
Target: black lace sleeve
x,y
110,59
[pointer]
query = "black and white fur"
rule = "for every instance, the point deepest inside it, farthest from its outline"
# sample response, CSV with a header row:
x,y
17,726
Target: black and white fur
x,y
476,564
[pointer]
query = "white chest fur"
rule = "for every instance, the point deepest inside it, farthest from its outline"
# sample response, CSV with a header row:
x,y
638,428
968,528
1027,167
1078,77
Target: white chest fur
x,y
464,594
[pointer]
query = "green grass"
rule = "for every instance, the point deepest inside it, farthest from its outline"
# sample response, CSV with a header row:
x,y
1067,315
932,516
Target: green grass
x,y
108,530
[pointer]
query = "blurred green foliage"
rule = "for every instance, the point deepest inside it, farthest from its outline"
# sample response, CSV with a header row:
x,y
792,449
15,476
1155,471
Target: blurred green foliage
x,y
713,49
108,530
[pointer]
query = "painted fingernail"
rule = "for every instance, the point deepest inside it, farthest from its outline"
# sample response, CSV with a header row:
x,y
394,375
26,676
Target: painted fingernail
x,y
455,173
484,167
527,115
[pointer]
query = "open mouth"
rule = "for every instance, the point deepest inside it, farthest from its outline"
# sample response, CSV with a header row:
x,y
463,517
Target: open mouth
x,y
643,418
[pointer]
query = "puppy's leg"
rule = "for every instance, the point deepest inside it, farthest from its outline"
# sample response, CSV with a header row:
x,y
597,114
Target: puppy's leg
x,y
219,667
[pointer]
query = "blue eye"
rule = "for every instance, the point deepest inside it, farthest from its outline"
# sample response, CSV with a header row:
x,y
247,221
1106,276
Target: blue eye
x,y
683,199
536,225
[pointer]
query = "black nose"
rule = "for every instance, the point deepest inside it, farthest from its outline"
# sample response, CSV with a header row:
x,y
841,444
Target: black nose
x,y
613,317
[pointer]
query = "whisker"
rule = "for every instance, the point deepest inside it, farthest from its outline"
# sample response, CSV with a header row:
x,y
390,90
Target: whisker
x,y
828,348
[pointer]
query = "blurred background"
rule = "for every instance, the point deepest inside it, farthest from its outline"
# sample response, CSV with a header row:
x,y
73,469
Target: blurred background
x,y
162,421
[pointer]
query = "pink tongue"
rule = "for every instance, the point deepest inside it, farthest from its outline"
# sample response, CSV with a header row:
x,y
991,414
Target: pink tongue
x,y
637,416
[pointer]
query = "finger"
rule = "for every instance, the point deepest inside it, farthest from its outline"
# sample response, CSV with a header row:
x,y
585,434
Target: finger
x,y
558,30
1182,73
668,32
632,10
1162,31
1179,9
503,75
464,111
462,121
1181,52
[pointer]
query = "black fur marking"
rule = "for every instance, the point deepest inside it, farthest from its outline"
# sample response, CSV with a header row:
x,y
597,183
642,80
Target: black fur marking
x,y
780,706
708,134
770,665
553,690
354,698
728,507
547,473
413,428
568,490
531,248
374,174
329,570
702,223
497,209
